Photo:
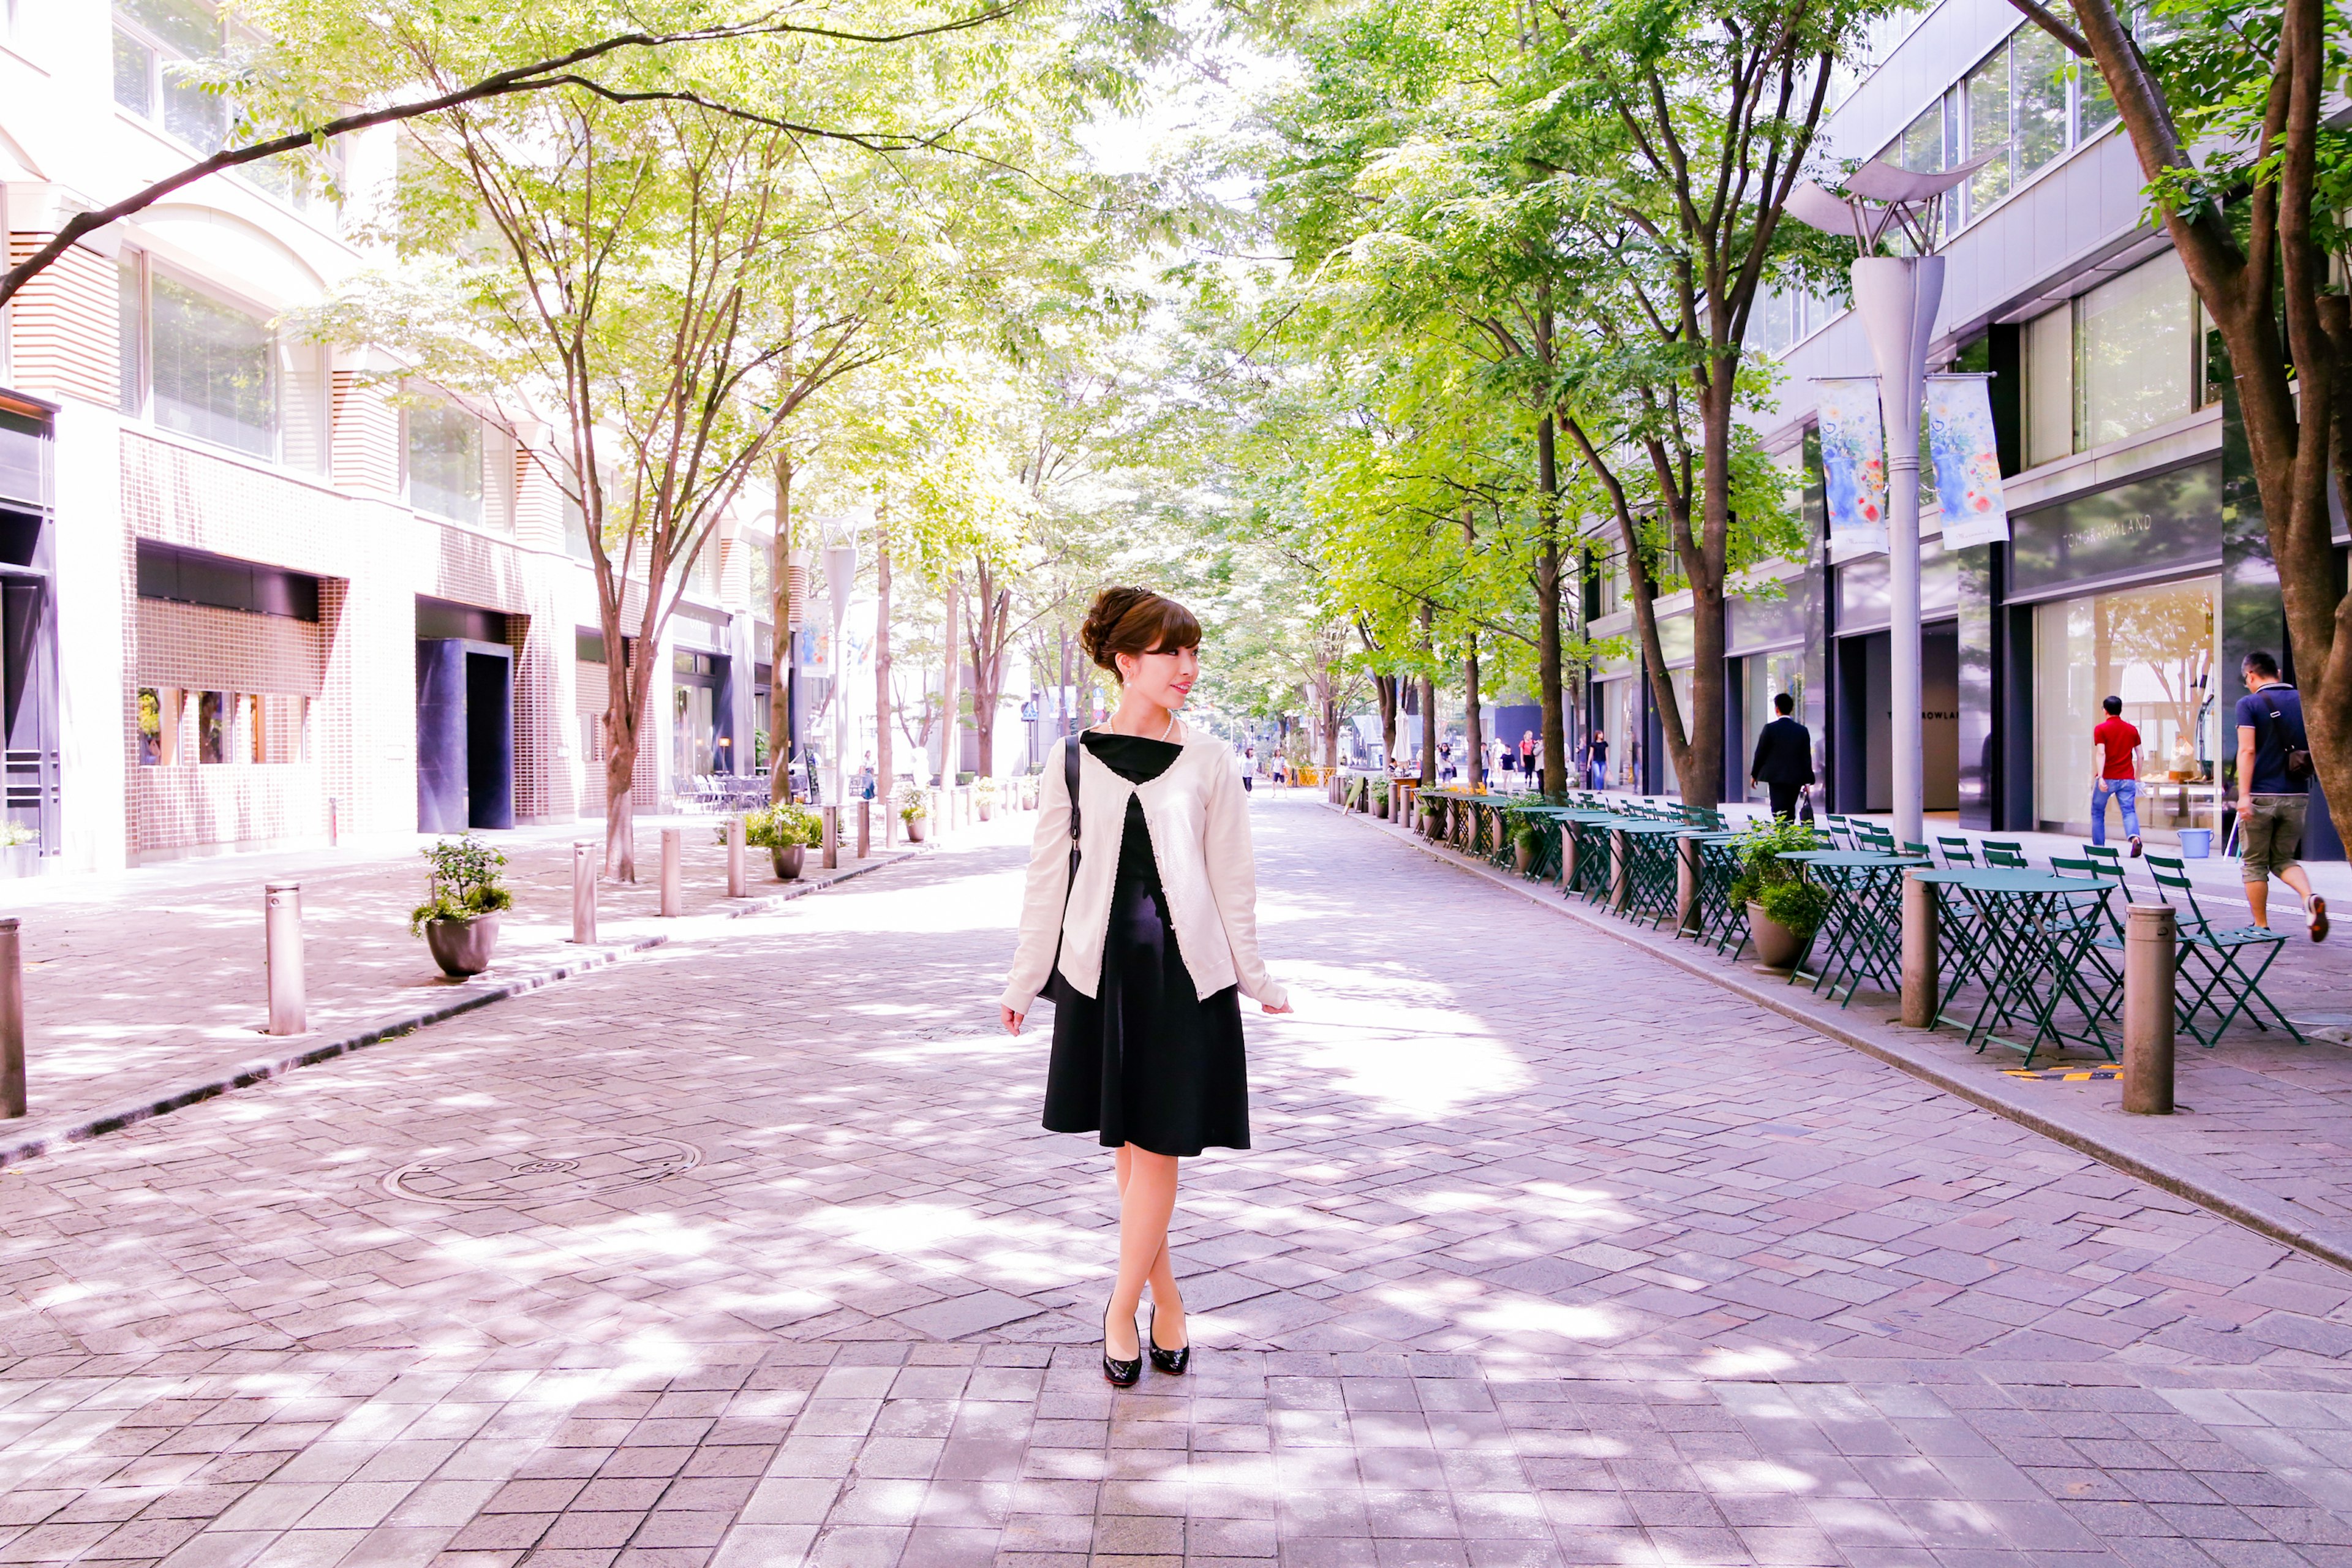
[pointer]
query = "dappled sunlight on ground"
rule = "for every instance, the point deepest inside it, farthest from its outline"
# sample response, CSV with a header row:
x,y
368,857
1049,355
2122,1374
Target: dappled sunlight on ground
x,y
1545,1255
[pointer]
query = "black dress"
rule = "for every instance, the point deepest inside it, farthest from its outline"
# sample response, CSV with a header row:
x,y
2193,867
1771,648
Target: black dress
x,y
1146,1060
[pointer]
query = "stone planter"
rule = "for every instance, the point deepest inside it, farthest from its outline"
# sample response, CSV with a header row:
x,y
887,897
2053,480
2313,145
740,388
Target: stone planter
x,y
915,826
789,858
1380,806
987,808
1777,947
462,948
1523,855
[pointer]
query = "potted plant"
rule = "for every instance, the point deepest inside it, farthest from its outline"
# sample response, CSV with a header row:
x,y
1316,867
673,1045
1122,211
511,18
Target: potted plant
x,y
983,793
20,850
787,831
914,810
460,922
1524,841
1784,911
1380,799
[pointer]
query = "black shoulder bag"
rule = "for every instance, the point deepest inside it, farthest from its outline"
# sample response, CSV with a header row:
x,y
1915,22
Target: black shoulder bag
x,y
1070,782
2298,758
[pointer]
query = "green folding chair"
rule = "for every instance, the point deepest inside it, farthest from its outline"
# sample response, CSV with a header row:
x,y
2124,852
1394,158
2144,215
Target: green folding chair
x,y
2009,854
2212,962
2100,994
1958,851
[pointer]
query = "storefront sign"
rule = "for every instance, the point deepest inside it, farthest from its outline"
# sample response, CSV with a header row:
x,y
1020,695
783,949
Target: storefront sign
x,y
1853,464
1968,464
2162,523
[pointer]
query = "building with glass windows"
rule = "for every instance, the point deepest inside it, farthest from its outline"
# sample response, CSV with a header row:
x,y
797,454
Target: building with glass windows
x,y
260,591
2137,564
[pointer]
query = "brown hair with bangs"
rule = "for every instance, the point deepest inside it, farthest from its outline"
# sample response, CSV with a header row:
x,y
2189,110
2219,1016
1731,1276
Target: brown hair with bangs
x,y
1134,621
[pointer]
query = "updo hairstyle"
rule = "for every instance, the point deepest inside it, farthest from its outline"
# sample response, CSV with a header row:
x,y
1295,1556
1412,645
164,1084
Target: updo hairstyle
x,y
1134,621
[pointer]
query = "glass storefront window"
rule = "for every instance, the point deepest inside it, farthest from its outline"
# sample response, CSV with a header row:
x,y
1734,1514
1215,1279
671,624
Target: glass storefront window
x,y
160,719
691,731
2135,338
444,461
1769,675
1621,721
214,368
216,715
2155,648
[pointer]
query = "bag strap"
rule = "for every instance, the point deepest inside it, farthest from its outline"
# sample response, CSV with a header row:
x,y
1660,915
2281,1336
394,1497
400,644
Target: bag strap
x,y
2298,743
1070,782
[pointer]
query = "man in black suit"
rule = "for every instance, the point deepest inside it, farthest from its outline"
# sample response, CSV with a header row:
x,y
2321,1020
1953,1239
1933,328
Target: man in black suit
x,y
1784,757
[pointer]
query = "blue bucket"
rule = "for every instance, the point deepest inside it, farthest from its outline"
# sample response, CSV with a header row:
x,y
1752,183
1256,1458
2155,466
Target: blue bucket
x,y
2196,842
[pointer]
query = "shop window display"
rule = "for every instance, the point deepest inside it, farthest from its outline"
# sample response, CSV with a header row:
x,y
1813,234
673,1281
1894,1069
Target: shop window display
x,y
2157,649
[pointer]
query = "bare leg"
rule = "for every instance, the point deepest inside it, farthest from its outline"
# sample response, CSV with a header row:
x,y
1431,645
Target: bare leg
x,y
1167,1304
1146,1201
2258,902
2293,877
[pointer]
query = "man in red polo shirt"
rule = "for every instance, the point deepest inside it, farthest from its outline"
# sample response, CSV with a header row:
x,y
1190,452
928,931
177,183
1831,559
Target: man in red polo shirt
x,y
2116,772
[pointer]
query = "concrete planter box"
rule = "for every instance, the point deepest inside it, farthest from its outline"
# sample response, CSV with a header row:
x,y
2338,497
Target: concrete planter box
x,y
462,948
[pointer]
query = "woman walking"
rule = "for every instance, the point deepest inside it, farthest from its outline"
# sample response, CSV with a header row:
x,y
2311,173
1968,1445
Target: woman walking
x,y
1140,921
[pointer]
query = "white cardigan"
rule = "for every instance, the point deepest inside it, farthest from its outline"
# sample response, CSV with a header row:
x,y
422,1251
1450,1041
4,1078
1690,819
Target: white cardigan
x,y
1198,822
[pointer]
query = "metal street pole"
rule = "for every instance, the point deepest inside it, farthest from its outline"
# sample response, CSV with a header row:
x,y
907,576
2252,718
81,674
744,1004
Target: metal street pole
x,y
1896,298
841,579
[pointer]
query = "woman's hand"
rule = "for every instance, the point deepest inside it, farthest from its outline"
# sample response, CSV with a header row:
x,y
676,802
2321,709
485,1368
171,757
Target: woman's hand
x,y
1270,1007
1012,1019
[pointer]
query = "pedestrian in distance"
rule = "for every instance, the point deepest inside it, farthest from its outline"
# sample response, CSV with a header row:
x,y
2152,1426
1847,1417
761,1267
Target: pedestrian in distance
x,y
1783,763
2114,774
1596,758
2274,792
1249,770
1528,757
1140,920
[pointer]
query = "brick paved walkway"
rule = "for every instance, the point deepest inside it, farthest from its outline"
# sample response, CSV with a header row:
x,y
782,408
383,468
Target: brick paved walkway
x,y
137,983
753,1254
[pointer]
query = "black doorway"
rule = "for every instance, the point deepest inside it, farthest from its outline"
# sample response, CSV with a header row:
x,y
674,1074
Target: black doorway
x,y
464,736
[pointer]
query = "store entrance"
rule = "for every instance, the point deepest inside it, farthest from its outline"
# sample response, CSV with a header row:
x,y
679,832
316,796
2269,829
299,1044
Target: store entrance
x,y
464,736
1864,763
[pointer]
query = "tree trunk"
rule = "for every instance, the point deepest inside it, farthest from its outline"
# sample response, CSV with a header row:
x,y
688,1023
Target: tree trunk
x,y
780,640
1474,740
951,677
1428,701
882,769
625,712
1548,638
989,639
1388,686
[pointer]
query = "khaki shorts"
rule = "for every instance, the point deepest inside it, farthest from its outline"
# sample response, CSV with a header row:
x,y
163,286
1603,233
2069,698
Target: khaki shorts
x,y
2271,835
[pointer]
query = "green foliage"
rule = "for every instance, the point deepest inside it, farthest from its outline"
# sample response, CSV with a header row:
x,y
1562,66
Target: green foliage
x,y
914,804
467,882
781,826
1799,907
1759,847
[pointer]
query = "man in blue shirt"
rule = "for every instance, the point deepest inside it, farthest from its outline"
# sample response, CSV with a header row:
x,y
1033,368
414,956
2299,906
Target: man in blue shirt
x,y
2274,792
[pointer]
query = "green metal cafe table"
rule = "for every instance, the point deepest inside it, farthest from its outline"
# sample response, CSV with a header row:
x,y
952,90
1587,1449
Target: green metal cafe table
x,y
2021,938
1649,875
1862,936
1716,919
1583,865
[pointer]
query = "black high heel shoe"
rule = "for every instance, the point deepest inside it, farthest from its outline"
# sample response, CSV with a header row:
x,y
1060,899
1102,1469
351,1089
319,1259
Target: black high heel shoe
x,y
1119,1373
1173,1362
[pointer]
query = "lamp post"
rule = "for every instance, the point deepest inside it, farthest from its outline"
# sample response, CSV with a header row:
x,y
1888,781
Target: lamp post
x,y
1896,298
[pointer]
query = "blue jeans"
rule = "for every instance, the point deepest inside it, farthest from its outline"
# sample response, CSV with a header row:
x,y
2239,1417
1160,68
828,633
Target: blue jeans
x,y
2127,793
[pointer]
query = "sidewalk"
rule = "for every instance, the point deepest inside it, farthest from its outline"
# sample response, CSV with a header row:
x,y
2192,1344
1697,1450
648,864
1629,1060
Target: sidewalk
x,y
146,989
2262,1130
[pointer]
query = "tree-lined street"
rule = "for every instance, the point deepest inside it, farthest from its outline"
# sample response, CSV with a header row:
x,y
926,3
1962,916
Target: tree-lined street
x,y
1546,1253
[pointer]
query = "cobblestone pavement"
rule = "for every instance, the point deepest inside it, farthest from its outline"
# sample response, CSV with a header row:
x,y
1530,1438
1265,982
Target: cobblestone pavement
x,y
751,1252
2257,1108
139,982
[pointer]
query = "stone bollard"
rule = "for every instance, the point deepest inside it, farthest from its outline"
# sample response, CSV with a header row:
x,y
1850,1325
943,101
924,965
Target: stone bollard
x,y
583,890
1686,910
2150,948
1621,868
673,871
864,829
830,844
290,1012
1922,981
739,880
1571,845
12,1023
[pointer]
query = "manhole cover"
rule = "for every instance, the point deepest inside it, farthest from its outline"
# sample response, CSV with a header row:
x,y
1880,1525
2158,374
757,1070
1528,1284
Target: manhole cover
x,y
544,1173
